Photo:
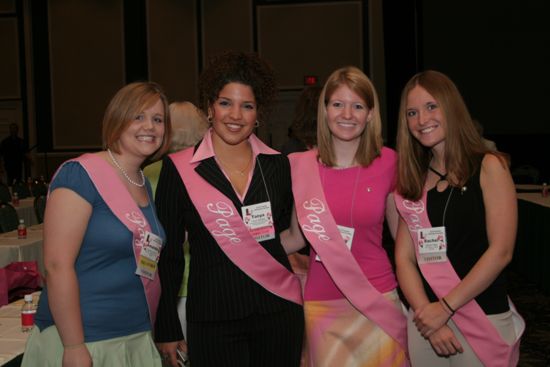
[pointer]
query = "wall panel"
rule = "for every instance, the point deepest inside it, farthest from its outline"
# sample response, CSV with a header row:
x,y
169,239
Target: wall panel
x,y
9,61
87,68
226,24
173,48
310,39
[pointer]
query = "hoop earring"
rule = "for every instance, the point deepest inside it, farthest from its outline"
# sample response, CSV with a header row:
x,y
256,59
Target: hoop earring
x,y
209,119
257,124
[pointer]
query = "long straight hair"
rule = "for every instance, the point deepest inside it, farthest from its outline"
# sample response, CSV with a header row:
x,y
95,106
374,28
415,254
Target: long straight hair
x,y
464,148
370,144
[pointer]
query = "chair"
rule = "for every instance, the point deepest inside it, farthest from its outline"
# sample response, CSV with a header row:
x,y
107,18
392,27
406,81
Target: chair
x,y
21,189
8,218
5,196
40,207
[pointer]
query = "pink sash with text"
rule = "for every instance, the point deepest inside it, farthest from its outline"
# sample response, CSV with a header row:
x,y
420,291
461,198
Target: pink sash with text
x,y
321,231
478,330
123,206
222,220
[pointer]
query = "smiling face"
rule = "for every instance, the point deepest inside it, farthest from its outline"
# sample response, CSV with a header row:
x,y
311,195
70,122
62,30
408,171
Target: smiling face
x,y
144,135
233,114
347,114
425,119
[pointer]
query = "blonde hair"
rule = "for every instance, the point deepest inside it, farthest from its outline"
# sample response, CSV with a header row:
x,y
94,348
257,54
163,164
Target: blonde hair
x,y
188,125
464,148
370,144
127,103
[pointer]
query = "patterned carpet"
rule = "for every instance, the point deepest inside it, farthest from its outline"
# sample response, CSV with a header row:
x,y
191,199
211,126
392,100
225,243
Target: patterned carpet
x,y
534,306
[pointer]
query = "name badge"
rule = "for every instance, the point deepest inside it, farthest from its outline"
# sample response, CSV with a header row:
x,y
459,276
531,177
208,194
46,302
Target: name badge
x,y
258,219
432,245
347,234
149,256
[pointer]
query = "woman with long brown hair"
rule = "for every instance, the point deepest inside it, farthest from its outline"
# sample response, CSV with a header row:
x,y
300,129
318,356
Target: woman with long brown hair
x,y
456,234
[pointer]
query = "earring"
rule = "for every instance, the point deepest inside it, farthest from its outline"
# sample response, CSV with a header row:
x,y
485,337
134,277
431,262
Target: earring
x,y
257,124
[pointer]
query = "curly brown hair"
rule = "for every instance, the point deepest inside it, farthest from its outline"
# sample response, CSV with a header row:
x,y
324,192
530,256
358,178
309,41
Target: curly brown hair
x,y
238,67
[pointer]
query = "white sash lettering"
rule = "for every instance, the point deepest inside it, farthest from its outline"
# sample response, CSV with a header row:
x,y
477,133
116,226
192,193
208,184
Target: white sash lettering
x,y
224,210
316,206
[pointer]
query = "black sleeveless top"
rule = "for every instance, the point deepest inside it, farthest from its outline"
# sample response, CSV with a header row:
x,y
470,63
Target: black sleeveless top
x,y
466,237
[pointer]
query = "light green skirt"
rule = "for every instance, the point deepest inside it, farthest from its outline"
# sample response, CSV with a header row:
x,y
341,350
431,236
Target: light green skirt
x,y
136,350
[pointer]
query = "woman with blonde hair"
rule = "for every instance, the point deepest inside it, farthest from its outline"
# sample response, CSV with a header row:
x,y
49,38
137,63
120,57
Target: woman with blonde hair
x,y
342,192
456,233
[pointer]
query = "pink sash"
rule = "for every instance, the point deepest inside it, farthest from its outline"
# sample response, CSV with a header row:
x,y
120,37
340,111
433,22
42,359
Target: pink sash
x,y
123,206
320,229
222,220
478,330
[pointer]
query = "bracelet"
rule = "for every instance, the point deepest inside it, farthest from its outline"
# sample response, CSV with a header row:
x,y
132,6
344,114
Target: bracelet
x,y
73,346
449,307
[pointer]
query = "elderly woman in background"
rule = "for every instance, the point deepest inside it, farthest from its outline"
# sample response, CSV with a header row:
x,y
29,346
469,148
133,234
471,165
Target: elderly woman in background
x,y
457,232
188,127
101,243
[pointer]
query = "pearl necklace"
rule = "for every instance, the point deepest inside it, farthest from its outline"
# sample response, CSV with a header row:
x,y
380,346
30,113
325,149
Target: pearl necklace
x,y
124,172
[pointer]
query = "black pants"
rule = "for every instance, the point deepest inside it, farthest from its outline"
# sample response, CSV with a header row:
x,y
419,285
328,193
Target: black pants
x,y
260,340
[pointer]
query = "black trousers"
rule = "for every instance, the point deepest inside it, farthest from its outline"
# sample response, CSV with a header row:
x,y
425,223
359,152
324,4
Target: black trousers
x,y
260,340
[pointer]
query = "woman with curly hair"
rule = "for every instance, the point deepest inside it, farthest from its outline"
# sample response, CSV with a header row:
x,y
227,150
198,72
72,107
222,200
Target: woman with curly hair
x,y
457,232
231,195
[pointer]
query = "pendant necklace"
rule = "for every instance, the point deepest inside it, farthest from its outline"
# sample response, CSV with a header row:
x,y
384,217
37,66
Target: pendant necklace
x,y
442,177
241,172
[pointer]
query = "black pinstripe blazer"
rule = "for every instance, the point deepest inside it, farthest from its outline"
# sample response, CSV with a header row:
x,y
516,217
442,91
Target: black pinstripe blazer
x,y
217,289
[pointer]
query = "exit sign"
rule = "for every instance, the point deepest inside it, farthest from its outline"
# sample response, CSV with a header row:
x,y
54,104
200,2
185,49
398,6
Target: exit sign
x,y
310,80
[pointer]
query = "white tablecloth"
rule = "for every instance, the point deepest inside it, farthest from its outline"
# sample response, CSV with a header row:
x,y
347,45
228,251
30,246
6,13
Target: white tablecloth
x,y
28,249
12,339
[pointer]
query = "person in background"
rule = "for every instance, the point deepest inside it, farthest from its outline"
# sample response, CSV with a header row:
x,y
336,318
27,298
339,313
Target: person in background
x,y
303,130
342,192
232,196
100,301
188,127
14,149
456,234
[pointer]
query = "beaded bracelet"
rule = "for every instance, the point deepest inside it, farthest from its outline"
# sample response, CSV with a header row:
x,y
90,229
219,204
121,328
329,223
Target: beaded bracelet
x,y
449,307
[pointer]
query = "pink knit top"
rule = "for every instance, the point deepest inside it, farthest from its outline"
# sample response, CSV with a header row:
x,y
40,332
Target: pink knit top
x,y
357,198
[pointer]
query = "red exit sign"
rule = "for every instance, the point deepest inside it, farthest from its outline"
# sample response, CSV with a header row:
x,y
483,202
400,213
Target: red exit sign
x,y
310,80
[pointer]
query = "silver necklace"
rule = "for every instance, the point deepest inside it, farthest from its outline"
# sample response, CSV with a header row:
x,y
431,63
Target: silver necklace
x,y
124,172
